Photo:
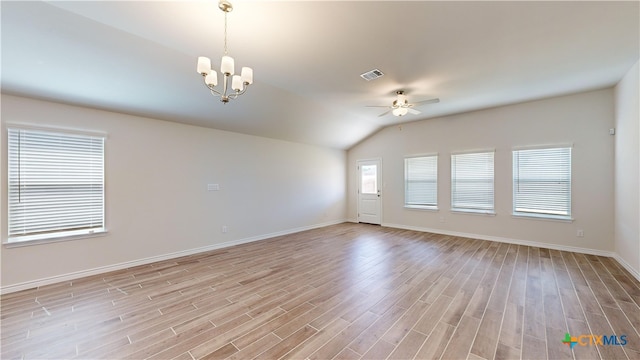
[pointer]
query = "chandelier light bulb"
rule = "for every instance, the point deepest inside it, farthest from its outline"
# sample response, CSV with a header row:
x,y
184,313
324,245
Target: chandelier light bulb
x,y
236,83
204,65
212,78
227,65
247,75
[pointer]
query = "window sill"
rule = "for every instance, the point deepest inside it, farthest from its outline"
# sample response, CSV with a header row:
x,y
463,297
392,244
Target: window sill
x,y
421,207
474,212
53,238
557,218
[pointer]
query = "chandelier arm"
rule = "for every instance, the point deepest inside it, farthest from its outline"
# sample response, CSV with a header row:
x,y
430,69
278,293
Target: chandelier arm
x,y
238,93
214,91
210,87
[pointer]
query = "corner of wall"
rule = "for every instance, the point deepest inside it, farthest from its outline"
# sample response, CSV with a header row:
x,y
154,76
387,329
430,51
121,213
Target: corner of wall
x,y
627,171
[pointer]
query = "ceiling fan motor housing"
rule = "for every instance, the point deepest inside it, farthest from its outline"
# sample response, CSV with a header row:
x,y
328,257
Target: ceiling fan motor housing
x,y
401,99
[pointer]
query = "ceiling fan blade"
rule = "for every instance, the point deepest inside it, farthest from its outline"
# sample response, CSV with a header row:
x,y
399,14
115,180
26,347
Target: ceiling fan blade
x,y
413,111
430,101
384,106
384,113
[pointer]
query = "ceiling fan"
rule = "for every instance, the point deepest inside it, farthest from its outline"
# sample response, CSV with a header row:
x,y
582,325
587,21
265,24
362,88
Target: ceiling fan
x,y
401,106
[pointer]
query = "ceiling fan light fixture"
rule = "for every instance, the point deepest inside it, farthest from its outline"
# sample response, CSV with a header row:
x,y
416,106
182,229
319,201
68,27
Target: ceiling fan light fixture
x,y
401,106
400,111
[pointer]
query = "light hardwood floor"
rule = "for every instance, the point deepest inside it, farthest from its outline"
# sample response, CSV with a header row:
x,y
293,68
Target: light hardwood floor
x,y
346,292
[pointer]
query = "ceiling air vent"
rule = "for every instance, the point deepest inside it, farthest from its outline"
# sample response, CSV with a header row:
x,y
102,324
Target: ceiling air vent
x,y
371,75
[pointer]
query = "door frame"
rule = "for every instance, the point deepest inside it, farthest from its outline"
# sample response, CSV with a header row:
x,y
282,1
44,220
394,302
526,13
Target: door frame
x,y
358,183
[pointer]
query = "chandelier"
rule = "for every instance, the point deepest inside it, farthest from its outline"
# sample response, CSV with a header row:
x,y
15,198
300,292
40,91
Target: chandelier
x,y
237,83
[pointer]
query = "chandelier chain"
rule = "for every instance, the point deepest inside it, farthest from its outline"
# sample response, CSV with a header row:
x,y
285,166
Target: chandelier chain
x,y
225,33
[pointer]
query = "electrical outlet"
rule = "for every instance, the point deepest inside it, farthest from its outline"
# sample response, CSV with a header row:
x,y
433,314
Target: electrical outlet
x,y
224,229
580,233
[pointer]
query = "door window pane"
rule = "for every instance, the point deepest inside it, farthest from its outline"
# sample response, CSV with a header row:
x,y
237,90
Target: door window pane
x,y
369,178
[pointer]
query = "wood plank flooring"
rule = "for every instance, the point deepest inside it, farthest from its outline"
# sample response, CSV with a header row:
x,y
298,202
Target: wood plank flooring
x,y
349,291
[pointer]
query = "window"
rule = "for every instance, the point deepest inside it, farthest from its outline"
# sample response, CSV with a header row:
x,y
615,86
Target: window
x,y
56,184
542,182
369,178
421,182
472,182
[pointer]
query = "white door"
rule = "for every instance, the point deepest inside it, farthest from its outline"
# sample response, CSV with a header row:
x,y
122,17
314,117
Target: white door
x,y
369,183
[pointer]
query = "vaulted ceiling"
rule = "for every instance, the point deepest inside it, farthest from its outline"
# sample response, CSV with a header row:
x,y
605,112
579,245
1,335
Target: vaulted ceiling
x,y
139,57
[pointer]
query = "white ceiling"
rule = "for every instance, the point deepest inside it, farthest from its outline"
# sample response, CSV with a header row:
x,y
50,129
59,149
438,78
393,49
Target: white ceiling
x,y
139,57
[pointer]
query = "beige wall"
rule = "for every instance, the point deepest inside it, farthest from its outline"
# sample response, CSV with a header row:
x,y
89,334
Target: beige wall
x,y
582,120
156,176
157,201
627,165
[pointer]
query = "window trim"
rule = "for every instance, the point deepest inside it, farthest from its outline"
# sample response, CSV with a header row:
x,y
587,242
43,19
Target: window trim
x,y
37,239
534,216
65,130
422,207
473,211
61,237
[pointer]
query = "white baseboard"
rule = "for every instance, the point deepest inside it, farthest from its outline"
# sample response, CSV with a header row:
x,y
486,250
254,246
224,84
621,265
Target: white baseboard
x,y
506,240
128,264
626,265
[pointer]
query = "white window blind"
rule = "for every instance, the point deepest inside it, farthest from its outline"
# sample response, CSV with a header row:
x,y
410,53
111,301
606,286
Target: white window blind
x,y
56,184
421,181
542,182
472,182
